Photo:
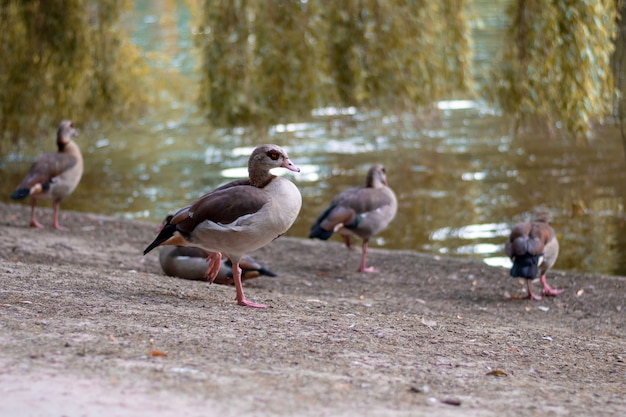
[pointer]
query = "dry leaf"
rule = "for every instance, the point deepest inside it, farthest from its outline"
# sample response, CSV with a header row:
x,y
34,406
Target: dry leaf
x,y
451,401
497,372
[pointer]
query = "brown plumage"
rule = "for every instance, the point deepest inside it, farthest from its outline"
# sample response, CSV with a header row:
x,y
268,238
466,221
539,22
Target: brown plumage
x,y
359,211
53,176
533,247
190,263
239,217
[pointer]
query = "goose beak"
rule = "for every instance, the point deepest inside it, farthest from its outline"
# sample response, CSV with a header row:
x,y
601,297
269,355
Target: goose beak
x,y
289,165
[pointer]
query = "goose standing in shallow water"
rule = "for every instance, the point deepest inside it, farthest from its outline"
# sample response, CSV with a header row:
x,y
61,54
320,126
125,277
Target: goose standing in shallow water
x,y
533,247
53,175
238,217
360,211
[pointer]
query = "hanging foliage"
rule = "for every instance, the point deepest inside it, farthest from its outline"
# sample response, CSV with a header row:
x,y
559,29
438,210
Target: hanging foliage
x,y
271,61
64,59
556,63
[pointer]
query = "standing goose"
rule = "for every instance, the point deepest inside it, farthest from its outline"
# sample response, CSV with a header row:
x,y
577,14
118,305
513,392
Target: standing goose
x,y
533,247
53,175
238,217
190,263
359,211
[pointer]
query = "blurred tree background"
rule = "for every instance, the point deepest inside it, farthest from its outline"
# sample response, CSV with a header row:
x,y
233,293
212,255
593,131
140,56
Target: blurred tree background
x,y
269,61
555,67
61,59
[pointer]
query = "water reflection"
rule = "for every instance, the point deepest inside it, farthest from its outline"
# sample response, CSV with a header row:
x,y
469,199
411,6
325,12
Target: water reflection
x,y
473,231
461,181
460,177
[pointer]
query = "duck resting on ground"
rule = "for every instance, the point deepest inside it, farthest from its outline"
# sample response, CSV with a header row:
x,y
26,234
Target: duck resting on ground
x,y
190,263
53,175
359,211
238,217
533,247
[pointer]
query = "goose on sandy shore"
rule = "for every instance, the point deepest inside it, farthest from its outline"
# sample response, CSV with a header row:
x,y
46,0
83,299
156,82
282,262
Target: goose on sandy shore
x,y
190,263
238,217
359,211
533,247
53,176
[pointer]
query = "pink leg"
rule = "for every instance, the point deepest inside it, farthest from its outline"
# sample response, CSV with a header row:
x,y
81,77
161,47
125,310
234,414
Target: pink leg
x,y
55,221
241,299
546,288
33,220
214,260
531,295
362,267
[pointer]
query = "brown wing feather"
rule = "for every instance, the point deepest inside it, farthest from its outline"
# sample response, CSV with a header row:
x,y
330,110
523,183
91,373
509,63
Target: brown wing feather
x,y
540,235
243,181
352,202
362,200
46,167
527,238
338,215
223,205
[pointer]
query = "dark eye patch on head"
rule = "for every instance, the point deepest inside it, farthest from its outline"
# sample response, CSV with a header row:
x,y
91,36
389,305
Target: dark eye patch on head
x,y
274,155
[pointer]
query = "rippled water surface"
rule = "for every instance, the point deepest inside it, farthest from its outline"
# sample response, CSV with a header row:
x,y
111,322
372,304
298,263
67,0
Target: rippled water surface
x,y
460,176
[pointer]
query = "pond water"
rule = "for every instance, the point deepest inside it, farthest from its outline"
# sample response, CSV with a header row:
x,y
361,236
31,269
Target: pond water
x,y
461,178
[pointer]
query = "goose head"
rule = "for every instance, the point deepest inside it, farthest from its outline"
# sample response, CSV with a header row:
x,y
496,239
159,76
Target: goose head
x,y
263,159
65,133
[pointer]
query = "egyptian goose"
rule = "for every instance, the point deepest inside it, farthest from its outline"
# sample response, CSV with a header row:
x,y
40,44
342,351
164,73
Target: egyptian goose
x,y
53,175
533,247
190,263
238,217
359,211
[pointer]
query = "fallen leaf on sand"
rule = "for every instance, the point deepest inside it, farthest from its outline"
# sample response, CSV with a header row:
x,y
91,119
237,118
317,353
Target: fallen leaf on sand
x,y
497,372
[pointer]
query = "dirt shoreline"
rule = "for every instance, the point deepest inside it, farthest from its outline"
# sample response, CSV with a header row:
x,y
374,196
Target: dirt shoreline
x,y
90,327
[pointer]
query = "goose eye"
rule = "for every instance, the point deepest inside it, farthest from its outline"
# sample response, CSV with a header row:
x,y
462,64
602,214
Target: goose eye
x,y
273,155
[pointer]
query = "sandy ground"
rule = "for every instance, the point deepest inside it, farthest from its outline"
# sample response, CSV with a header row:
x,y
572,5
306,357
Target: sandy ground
x,y
90,327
